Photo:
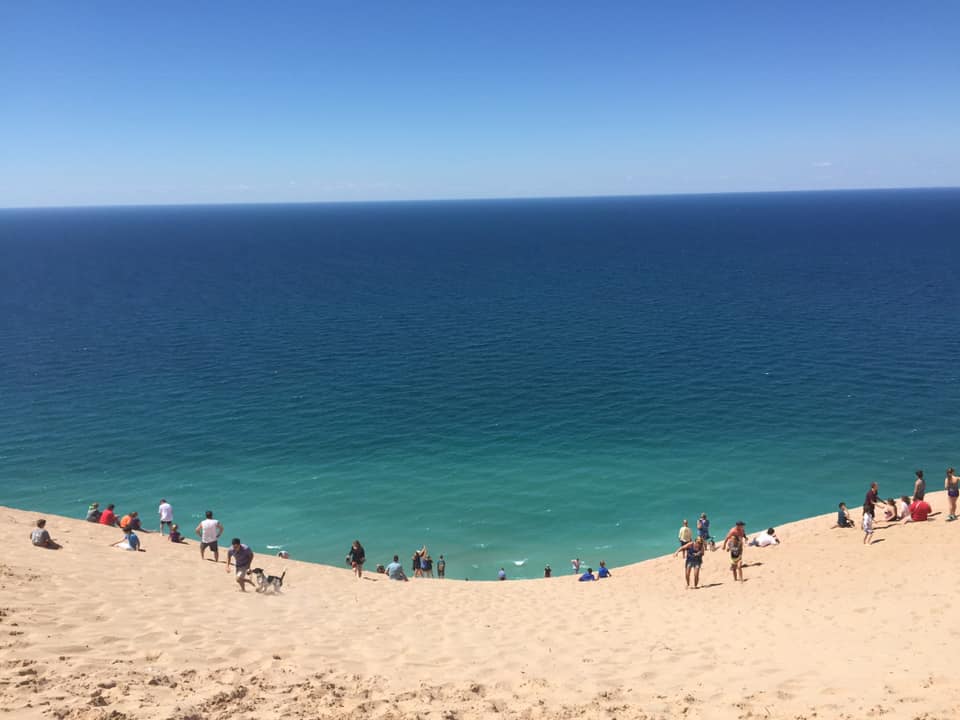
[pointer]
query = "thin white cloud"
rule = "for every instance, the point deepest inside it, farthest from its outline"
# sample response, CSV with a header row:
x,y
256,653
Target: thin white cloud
x,y
822,164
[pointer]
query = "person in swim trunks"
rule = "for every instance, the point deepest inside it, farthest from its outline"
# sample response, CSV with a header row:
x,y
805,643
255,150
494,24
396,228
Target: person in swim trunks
x,y
919,487
734,542
951,484
694,559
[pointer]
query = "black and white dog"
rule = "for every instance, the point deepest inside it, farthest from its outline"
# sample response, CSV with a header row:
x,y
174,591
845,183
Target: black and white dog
x,y
265,582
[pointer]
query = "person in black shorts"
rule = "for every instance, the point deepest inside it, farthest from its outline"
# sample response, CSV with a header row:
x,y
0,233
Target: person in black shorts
x,y
356,557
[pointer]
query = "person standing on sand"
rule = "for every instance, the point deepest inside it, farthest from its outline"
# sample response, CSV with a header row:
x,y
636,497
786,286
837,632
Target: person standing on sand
x,y
703,531
575,565
694,559
357,557
686,534
441,567
243,556
868,524
951,483
547,571
209,530
735,541
166,515
919,486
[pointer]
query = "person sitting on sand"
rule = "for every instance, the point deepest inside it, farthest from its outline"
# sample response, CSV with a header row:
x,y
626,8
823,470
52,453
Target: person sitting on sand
x,y
686,533
694,559
395,570
93,513
283,555
175,535
131,521
890,512
547,571
951,483
919,510
130,541
587,576
843,516
903,508
603,572
108,517
40,537
765,539
502,574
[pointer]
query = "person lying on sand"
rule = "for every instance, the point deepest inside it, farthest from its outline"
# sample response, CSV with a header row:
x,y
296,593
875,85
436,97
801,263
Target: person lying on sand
x,y
40,537
765,538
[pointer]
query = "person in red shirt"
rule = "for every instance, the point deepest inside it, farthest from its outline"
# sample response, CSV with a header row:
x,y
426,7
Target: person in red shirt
x,y
919,510
108,517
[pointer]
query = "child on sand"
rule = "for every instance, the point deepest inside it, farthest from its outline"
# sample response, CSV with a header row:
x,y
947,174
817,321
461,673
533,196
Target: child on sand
x,y
867,524
843,517
890,512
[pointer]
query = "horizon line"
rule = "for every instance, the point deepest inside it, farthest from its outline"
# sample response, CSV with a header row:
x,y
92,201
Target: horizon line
x,y
492,198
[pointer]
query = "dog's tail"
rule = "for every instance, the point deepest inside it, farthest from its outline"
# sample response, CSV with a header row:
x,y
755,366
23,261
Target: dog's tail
x,y
283,575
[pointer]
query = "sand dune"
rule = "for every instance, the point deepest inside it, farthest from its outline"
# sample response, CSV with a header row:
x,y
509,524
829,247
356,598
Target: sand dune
x,y
823,627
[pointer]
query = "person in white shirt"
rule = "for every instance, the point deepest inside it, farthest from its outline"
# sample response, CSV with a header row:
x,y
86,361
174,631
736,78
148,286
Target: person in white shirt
x,y
166,515
210,531
765,539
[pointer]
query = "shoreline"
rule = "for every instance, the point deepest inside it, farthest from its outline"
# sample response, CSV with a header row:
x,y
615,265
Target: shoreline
x,y
92,632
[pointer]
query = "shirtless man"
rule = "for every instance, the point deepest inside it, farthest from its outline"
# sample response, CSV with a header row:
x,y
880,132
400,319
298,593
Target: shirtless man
x,y
735,541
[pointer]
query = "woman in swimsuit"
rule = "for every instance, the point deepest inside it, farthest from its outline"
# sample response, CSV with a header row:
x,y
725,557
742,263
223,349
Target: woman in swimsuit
x,y
694,553
952,485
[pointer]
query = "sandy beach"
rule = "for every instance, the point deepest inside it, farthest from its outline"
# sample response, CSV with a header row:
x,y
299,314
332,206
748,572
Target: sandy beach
x,y
824,626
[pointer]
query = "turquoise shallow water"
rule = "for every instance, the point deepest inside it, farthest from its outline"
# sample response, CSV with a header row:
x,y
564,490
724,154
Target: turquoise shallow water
x,y
513,381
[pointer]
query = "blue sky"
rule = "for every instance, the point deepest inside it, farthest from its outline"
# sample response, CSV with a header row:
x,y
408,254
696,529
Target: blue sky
x,y
134,102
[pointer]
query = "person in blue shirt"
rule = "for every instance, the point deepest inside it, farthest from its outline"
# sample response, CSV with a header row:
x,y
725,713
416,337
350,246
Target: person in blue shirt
x,y
587,576
502,574
603,572
395,571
